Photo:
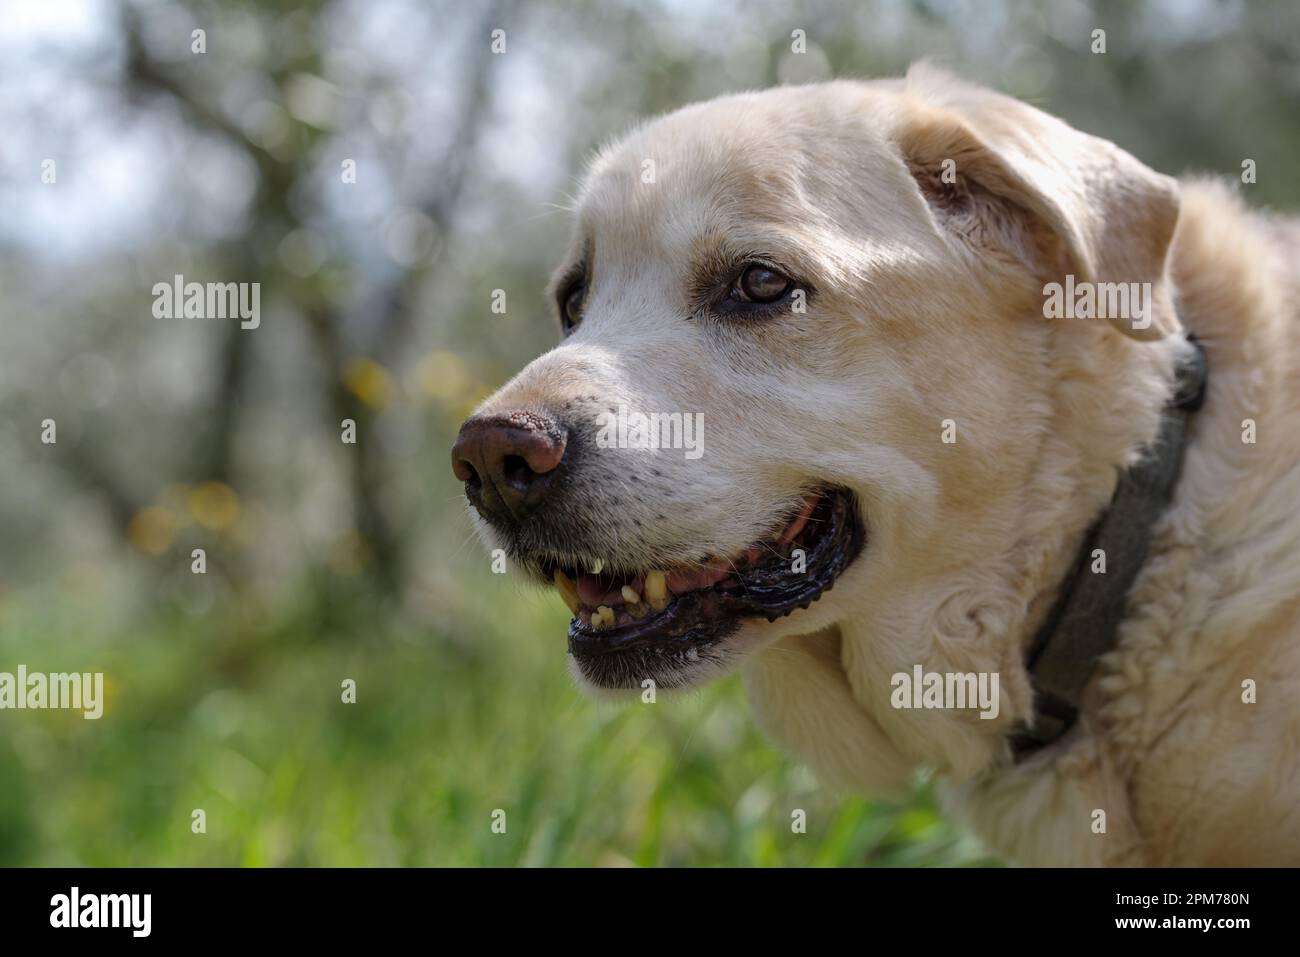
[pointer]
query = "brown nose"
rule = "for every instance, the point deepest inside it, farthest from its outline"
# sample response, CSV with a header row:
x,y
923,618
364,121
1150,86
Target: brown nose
x,y
507,461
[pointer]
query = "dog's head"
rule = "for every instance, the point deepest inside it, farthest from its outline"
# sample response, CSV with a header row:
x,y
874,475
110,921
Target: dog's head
x,y
804,346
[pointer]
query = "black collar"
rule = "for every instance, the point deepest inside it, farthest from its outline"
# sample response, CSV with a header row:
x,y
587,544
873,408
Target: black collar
x,y
1084,622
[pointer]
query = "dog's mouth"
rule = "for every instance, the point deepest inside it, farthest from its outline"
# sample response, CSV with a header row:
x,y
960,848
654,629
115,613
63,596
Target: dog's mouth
x,y
674,616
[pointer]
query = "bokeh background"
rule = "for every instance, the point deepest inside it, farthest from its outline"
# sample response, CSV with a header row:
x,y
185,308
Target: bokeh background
x,y
329,561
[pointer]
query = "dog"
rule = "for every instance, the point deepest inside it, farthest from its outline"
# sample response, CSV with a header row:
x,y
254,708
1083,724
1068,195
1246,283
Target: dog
x,y
911,465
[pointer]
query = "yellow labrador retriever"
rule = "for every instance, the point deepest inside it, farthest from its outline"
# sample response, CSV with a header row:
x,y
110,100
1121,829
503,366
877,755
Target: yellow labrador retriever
x,y
973,442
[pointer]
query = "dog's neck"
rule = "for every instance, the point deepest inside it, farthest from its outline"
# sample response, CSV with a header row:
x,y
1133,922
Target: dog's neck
x,y
1083,624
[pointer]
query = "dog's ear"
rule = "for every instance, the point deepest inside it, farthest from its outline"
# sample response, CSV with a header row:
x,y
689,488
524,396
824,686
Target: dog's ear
x,y
1002,173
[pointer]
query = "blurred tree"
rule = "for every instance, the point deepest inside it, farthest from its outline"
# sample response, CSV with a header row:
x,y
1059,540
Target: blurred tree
x,y
280,205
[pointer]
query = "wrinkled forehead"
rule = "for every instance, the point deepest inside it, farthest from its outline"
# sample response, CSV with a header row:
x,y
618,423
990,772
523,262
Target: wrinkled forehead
x,y
789,165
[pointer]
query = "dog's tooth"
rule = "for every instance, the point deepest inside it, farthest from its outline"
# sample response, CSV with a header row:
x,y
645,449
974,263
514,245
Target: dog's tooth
x,y
630,595
597,566
656,590
605,615
568,590
636,611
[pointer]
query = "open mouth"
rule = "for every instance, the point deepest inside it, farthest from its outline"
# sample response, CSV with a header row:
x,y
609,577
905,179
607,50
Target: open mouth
x,y
675,616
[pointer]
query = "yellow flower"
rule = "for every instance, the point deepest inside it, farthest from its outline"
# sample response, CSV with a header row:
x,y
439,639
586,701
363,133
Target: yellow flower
x,y
152,530
444,376
215,505
368,381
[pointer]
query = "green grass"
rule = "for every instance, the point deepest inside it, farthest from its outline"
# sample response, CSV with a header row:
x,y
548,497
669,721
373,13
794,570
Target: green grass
x,y
238,712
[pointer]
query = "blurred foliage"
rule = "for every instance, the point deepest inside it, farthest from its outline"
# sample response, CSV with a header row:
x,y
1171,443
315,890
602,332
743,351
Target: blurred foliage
x,y
239,712
328,561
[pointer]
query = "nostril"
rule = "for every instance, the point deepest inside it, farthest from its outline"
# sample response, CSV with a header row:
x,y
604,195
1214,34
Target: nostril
x,y
517,472
465,472
506,461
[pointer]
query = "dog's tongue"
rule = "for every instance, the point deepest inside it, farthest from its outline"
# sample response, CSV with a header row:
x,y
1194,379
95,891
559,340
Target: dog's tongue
x,y
596,590
800,520
607,589
680,582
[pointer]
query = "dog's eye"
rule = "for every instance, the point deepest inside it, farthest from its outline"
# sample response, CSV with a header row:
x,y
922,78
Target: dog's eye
x,y
571,306
760,284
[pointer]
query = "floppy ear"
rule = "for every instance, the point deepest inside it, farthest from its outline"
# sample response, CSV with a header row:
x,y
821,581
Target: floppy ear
x,y
999,171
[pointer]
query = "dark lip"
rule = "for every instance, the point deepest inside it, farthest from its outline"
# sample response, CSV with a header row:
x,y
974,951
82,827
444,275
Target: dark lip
x,y
699,619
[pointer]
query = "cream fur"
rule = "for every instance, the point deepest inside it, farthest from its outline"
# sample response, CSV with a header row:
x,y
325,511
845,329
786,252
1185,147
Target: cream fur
x,y
925,310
